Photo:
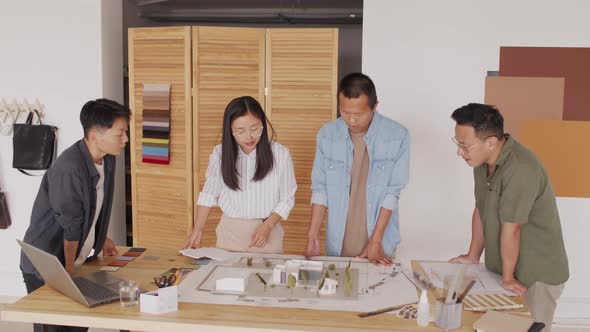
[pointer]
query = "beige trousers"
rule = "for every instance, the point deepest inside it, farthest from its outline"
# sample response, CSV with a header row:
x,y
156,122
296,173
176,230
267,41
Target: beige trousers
x,y
542,301
233,234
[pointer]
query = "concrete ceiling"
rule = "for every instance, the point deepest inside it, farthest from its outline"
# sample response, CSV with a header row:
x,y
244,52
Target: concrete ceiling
x,y
252,11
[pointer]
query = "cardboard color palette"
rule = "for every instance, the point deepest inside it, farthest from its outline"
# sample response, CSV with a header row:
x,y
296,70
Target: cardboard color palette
x,y
572,63
562,147
525,98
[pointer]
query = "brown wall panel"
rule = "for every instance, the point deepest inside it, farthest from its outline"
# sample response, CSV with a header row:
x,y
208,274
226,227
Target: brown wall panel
x,y
569,62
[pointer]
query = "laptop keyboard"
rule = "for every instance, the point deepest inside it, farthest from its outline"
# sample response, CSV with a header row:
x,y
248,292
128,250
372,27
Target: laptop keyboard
x,y
94,291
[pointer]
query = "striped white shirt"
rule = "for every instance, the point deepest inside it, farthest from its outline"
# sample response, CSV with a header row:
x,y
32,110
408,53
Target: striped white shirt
x,y
255,199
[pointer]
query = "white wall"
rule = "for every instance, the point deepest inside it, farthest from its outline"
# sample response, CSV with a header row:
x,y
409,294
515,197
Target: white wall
x,y
429,57
53,50
112,88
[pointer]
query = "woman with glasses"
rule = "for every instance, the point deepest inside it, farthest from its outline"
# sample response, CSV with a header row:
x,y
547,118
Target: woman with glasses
x,y
251,178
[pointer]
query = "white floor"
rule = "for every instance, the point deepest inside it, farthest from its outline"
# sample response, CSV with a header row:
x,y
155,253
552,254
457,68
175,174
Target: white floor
x,y
24,327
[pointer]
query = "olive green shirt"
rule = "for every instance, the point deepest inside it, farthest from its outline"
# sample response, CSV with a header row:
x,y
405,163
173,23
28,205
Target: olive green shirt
x,y
519,191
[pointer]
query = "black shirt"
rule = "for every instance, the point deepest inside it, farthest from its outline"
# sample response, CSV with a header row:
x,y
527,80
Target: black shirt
x,y
66,202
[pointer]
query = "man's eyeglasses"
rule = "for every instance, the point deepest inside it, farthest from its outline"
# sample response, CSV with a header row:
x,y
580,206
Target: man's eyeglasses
x,y
468,148
245,134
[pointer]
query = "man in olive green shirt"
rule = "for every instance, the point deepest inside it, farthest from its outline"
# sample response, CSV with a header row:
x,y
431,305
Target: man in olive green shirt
x,y
515,218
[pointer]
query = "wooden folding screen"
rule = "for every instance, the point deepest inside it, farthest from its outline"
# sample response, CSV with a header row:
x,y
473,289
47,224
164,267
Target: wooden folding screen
x,y
291,72
227,63
301,75
162,198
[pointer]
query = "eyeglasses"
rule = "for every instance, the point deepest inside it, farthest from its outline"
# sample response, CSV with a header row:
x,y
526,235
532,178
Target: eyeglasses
x,y
356,116
244,134
466,149
462,146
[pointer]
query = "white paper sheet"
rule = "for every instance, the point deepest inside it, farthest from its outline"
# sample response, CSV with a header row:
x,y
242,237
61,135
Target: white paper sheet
x,y
213,253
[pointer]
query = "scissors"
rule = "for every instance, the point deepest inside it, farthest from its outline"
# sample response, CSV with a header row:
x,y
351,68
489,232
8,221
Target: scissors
x,y
165,280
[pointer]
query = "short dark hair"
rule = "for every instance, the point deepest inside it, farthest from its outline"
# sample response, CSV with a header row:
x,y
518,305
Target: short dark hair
x,y
229,147
356,84
101,113
486,120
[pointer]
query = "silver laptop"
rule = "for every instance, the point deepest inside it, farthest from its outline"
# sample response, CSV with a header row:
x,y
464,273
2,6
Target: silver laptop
x,y
91,289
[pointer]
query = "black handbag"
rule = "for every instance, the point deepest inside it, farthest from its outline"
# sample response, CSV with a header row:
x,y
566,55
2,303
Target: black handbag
x,y
4,213
34,145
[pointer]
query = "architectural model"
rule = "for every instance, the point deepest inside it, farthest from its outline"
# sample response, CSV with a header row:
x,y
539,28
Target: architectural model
x,y
306,273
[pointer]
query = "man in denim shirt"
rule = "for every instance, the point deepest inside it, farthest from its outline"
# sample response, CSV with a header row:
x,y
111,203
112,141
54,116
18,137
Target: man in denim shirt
x,y
361,165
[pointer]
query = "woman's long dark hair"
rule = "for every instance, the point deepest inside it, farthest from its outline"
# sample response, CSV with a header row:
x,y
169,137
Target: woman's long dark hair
x,y
229,147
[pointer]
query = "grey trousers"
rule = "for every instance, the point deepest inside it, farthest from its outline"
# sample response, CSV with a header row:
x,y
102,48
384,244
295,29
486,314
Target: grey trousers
x,y
542,301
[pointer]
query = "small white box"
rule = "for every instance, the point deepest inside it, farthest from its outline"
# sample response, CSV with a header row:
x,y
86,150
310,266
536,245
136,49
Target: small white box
x,y
159,302
329,286
231,284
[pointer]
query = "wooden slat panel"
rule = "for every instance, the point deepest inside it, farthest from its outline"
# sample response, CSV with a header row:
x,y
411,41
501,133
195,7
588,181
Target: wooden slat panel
x,y
227,63
301,73
162,194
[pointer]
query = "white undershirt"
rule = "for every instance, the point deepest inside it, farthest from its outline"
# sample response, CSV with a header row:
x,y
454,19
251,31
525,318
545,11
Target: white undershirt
x,y
87,248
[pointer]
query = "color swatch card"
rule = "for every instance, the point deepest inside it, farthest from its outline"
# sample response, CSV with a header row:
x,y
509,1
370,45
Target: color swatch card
x,y
118,263
110,268
155,142
123,260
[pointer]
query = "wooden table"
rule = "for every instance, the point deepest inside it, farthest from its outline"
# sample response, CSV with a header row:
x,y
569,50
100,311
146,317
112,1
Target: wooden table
x,y
51,307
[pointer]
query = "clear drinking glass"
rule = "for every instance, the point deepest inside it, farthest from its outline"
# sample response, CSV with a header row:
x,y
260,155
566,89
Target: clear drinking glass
x,y
128,293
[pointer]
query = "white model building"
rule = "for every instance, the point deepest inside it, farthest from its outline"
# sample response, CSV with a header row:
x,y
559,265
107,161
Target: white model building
x,y
230,284
306,273
279,275
329,286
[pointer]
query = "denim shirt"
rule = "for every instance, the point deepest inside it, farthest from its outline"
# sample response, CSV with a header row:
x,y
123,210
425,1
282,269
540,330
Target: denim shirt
x,y
388,147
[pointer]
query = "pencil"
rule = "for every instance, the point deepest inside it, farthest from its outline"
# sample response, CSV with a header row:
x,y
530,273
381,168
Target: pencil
x,y
384,310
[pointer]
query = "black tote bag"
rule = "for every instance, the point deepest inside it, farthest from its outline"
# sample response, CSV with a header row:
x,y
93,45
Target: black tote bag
x,y
34,145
